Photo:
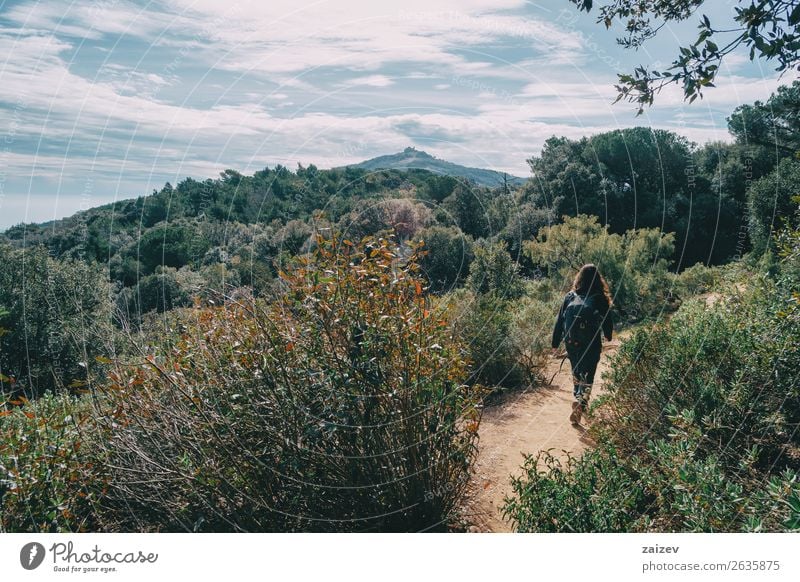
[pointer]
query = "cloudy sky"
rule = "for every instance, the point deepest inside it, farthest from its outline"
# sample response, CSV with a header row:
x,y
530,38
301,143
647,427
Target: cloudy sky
x,y
109,99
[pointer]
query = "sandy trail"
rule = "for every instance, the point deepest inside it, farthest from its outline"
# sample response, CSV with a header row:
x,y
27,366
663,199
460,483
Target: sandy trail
x,y
522,423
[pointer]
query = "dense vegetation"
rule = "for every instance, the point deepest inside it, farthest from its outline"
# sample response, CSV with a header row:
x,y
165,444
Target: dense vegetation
x,y
308,350
339,406
699,430
343,406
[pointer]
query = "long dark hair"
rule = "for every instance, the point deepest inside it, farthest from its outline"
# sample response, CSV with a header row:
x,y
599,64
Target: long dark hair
x,y
589,281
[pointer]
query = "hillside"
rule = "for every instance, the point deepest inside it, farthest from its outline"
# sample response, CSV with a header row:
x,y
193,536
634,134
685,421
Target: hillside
x,y
235,228
411,158
273,196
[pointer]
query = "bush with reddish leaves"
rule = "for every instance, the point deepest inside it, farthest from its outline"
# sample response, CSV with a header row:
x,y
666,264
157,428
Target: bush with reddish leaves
x,y
342,406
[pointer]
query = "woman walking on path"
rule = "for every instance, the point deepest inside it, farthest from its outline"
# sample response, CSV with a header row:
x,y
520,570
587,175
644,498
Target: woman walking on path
x,y
584,313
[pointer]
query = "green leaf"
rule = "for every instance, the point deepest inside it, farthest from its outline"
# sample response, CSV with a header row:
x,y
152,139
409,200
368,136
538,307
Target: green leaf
x,y
794,17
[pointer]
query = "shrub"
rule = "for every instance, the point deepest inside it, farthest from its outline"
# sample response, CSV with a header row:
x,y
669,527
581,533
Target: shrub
x,y
701,413
399,215
160,292
47,480
57,320
341,407
483,322
734,367
696,280
593,493
635,264
494,271
507,342
545,290
446,257
672,488
530,334
292,238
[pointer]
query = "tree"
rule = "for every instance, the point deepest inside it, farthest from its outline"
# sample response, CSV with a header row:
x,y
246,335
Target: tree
x,y
775,124
768,28
437,188
161,291
57,321
493,271
446,256
172,245
770,202
466,208
633,178
635,263
523,224
729,169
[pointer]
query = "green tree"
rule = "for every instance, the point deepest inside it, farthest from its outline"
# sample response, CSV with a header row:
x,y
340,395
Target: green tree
x,y
447,254
524,223
774,124
157,207
466,208
633,178
437,188
770,201
635,264
57,321
171,245
160,292
494,271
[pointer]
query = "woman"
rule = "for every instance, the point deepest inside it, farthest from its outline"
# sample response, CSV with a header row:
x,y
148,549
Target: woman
x,y
583,314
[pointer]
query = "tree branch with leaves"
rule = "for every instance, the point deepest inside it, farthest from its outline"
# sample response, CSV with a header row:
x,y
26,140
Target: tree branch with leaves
x,y
768,28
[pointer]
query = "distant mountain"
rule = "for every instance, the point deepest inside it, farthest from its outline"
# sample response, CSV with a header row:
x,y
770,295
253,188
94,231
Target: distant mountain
x,y
411,158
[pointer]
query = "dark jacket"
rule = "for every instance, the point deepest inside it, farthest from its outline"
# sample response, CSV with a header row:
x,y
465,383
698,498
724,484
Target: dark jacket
x,y
608,324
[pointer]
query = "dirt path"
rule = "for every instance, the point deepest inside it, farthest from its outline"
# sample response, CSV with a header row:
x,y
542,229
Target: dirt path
x,y
524,423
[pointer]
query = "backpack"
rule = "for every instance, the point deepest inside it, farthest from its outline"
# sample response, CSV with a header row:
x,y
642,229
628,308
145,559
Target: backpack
x,y
582,321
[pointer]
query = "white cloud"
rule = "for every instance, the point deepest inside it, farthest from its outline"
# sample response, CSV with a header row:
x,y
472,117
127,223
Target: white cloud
x,y
371,81
200,141
89,20
126,81
286,37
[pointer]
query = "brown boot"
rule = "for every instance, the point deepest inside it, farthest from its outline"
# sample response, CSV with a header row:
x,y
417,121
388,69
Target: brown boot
x,y
575,417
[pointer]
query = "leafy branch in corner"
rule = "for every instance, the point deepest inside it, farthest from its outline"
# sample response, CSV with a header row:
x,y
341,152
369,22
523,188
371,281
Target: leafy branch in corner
x,y
768,28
